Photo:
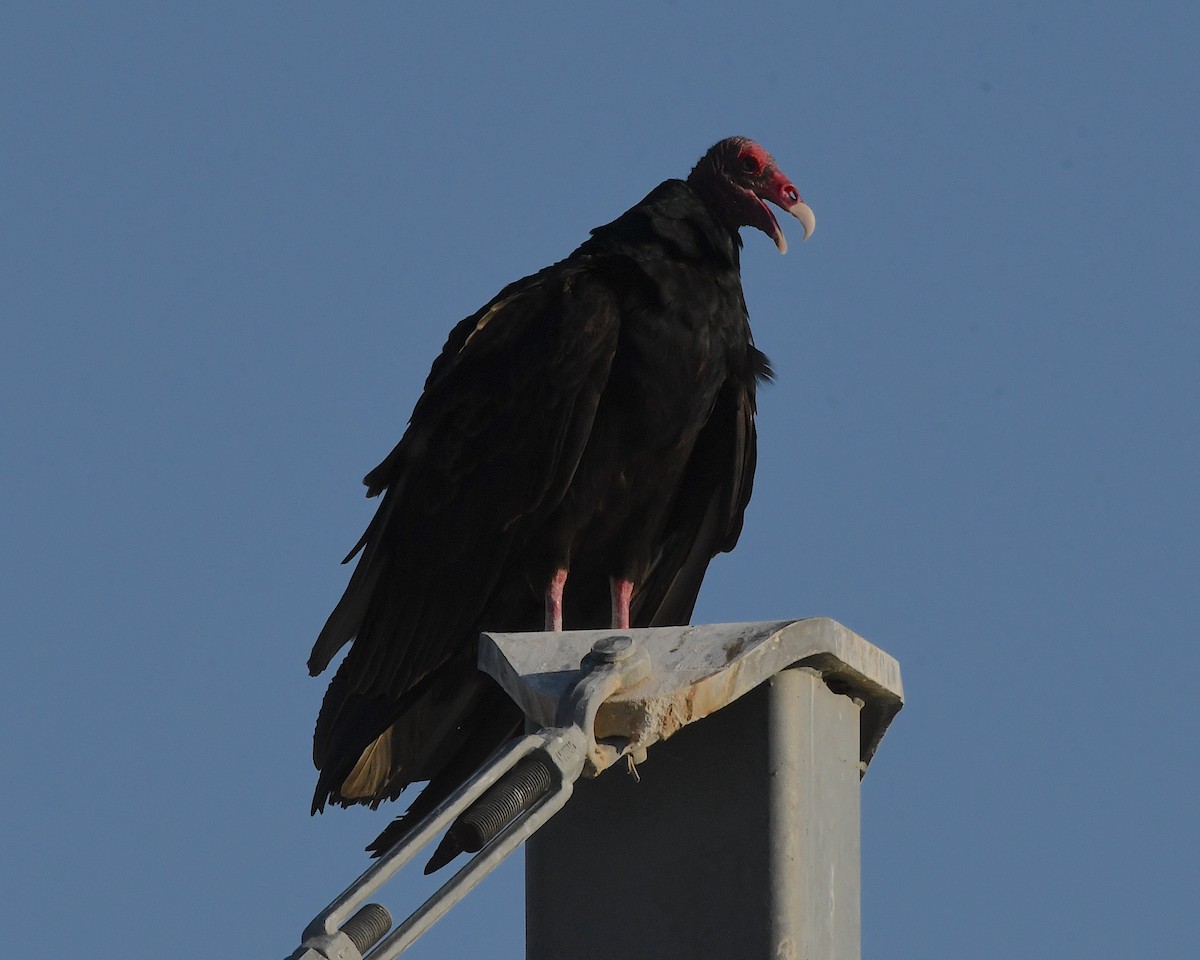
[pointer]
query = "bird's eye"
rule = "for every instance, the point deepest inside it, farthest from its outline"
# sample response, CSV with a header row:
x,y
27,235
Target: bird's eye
x,y
749,163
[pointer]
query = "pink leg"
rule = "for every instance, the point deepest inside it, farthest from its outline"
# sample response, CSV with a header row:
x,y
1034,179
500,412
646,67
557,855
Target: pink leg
x,y
621,592
554,600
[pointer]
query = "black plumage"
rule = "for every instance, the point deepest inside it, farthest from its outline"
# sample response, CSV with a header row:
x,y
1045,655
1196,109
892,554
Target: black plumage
x,y
593,421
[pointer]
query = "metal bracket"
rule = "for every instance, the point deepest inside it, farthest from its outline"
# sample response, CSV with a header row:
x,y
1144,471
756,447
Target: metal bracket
x,y
697,671
563,752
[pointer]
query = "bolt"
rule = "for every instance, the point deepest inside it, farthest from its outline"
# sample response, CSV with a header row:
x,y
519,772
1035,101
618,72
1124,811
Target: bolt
x,y
613,649
367,927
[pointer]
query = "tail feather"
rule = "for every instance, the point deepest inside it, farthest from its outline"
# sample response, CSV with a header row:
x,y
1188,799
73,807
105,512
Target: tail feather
x,y
369,749
493,722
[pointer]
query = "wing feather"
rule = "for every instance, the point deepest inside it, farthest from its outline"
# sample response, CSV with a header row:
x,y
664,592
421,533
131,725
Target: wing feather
x,y
490,448
706,518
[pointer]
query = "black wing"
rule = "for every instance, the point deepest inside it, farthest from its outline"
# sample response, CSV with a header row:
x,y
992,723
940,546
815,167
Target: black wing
x,y
491,447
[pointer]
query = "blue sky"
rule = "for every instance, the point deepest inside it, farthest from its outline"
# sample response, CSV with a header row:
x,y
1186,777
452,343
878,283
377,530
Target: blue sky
x,y
234,237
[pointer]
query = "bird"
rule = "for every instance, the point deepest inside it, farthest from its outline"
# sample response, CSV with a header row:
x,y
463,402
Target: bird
x,y
583,447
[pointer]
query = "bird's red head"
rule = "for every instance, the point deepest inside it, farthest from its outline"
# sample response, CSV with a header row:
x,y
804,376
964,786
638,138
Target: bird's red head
x,y
736,176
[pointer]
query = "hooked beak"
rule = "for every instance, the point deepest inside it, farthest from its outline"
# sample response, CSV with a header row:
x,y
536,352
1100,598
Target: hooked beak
x,y
783,193
803,212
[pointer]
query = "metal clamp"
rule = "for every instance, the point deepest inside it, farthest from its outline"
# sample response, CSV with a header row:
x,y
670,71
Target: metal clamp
x,y
614,664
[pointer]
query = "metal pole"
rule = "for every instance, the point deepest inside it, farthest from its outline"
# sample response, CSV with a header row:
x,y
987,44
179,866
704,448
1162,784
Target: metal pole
x,y
741,840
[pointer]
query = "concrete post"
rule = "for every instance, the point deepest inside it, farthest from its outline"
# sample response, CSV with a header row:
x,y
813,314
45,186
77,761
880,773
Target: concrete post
x,y
740,842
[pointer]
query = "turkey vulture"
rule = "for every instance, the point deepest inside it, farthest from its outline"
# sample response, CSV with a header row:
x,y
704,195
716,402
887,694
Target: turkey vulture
x,y
583,447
